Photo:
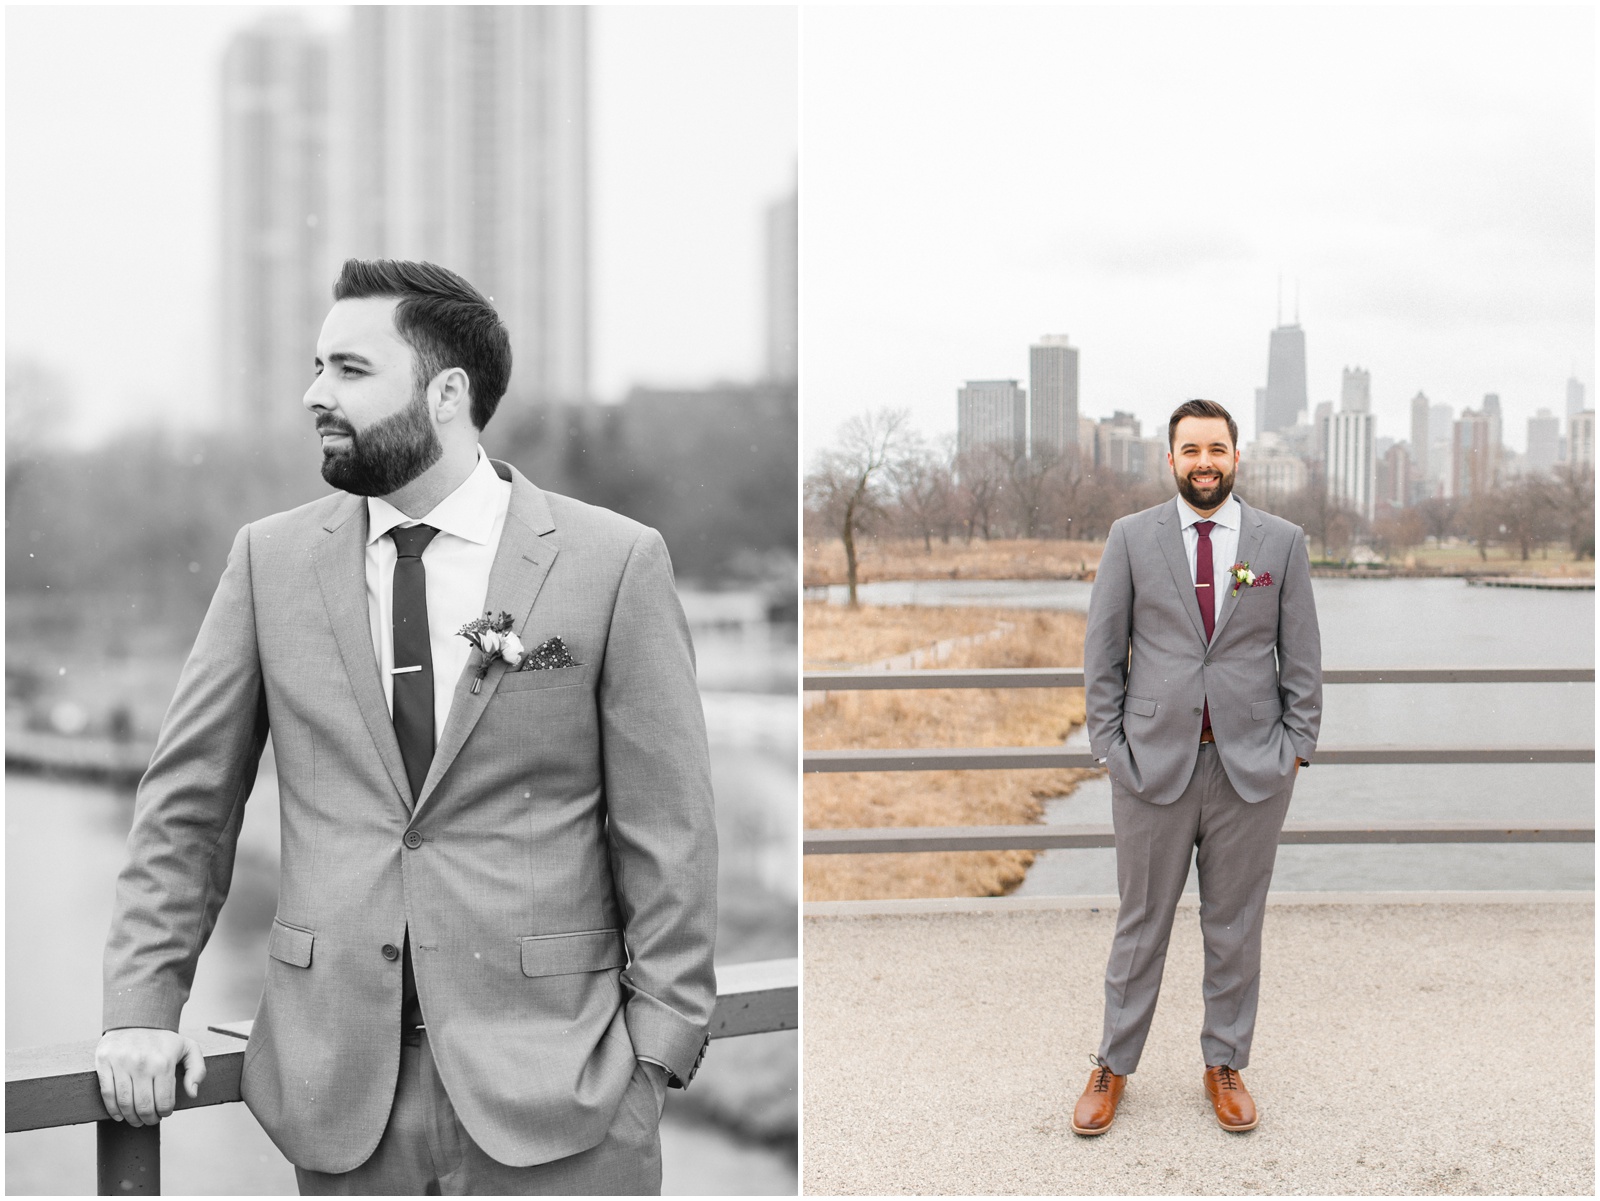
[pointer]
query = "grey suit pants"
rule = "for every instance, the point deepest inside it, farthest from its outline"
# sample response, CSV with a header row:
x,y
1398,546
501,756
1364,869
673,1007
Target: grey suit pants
x,y
1234,845
425,1150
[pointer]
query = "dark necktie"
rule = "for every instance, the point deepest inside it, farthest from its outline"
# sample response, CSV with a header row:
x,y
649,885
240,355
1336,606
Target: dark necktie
x,y
1204,588
413,655
413,699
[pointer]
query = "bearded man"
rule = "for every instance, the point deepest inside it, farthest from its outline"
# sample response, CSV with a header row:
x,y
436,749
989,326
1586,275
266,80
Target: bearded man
x,y
492,951
1203,678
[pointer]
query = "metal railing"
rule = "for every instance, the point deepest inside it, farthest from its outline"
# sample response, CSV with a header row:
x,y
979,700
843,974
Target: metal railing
x,y
57,1085
893,839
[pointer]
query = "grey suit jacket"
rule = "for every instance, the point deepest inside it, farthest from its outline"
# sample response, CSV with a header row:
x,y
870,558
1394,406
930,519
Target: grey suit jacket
x,y
557,871
1148,670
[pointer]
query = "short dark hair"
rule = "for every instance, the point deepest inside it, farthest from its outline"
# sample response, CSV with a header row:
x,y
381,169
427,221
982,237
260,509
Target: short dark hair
x,y
1200,408
444,319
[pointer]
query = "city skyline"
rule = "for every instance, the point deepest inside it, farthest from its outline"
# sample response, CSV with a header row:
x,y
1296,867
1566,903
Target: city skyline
x,y
114,177
1382,158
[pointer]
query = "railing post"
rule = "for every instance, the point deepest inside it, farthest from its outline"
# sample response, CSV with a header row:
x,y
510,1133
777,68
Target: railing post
x,y
127,1159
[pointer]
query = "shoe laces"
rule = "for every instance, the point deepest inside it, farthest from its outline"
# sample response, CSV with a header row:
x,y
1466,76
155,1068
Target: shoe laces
x,y
1227,1078
1102,1077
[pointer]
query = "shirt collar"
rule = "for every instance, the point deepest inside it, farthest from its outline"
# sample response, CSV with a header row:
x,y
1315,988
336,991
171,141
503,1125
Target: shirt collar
x,y
1228,515
469,512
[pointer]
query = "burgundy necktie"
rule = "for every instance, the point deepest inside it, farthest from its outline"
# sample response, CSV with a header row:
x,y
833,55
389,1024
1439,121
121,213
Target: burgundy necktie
x,y
1204,587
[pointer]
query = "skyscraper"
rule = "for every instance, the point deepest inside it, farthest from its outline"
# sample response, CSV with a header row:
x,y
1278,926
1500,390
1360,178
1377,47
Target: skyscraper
x,y
1574,397
1544,441
274,221
783,288
1053,381
1284,400
1355,391
1580,439
1419,436
1474,463
463,139
992,413
1348,461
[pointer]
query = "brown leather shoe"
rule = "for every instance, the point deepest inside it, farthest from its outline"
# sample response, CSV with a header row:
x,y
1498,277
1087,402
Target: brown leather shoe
x,y
1229,1097
1098,1106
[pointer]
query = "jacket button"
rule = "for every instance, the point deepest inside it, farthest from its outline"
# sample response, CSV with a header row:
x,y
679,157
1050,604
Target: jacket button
x,y
1197,713
391,952
413,839
1206,663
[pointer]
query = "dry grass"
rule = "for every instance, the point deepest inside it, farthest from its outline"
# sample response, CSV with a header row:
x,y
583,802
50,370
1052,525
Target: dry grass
x,y
906,559
990,717
1556,561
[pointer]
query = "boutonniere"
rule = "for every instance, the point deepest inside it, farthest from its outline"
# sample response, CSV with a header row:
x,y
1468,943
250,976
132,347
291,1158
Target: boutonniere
x,y
494,639
1243,577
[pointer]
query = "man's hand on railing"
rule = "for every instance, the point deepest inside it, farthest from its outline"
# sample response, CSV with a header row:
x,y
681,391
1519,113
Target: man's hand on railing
x,y
138,1072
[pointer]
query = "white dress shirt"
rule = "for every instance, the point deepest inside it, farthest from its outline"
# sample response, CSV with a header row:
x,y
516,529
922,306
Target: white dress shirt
x,y
456,565
1224,545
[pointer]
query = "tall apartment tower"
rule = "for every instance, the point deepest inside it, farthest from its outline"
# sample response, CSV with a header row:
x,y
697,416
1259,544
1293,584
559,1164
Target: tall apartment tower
x,y
1574,397
1053,382
1348,461
1474,457
1544,441
462,137
1419,436
1283,402
274,221
992,413
783,289
1355,391
1580,439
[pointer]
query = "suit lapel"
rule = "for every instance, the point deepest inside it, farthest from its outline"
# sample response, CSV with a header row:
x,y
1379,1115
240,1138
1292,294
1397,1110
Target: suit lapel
x,y
521,564
1251,531
340,565
1170,536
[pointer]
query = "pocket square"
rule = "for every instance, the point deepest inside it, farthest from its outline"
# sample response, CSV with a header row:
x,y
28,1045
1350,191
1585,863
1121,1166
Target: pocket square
x,y
550,653
1263,580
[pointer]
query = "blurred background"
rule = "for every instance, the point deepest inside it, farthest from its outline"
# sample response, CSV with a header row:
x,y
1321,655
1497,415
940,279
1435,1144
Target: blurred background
x,y
181,186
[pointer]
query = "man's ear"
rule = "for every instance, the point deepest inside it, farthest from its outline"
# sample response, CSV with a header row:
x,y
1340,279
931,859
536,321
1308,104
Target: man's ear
x,y
454,397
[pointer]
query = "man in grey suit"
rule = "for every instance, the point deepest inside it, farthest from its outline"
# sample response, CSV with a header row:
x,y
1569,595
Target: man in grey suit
x,y
1203,678
493,947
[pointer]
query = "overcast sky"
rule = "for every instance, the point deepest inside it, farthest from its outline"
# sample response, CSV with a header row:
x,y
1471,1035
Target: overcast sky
x,y
112,194
1137,178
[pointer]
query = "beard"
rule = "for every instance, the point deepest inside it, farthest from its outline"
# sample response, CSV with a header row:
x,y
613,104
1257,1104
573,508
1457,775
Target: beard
x,y
1203,499
387,455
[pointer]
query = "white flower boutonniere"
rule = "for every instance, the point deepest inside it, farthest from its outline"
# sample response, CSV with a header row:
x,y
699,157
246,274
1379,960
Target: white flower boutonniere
x,y
1243,577
494,640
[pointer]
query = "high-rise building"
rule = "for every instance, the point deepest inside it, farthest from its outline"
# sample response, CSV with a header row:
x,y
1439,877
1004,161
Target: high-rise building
x,y
783,288
1580,439
1441,440
1419,436
1283,401
1544,442
463,139
992,413
1347,461
1319,426
1575,403
1053,385
274,221
1394,485
1119,447
1355,391
1270,472
1491,410
1474,464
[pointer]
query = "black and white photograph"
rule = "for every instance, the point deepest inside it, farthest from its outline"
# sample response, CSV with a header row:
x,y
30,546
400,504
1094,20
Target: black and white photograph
x,y
1198,622
402,600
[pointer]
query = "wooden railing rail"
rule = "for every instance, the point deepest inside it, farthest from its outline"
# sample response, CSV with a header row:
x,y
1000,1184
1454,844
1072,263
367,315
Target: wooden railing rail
x,y
57,1085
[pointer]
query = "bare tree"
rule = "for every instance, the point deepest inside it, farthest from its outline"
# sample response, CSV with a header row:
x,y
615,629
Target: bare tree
x,y
981,482
1573,499
850,482
1528,513
924,489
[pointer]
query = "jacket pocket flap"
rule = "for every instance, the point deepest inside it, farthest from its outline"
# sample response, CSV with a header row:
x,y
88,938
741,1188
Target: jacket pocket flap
x,y
1137,704
1264,709
548,677
562,954
290,944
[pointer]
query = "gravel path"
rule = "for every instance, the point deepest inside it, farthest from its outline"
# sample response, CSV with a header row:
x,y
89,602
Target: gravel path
x,y
1401,1048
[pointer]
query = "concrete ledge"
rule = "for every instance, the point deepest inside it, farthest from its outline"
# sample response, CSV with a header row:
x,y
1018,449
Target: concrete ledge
x,y
897,908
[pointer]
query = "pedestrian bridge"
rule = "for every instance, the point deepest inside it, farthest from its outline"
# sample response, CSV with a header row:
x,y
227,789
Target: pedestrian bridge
x,y
1407,1043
